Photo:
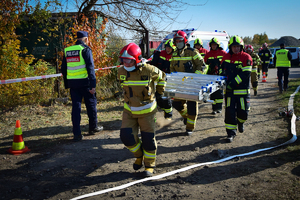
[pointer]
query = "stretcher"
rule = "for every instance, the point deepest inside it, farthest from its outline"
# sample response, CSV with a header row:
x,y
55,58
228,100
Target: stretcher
x,y
191,86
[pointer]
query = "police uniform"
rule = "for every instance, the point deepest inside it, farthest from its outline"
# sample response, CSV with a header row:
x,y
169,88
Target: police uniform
x,y
79,75
140,106
187,60
213,59
237,69
282,61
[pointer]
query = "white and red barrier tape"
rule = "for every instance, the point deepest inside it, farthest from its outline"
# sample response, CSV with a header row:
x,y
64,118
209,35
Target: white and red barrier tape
x,y
44,76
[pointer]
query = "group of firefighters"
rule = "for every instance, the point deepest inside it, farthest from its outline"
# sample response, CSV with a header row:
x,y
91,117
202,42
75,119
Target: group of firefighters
x,y
143,83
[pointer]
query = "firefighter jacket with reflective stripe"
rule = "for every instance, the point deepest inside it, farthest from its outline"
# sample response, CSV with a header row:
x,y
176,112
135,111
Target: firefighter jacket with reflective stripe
x,y
139,87
162,61
265,56
237,69
282,58
87,56
187,60
202,51
255,59
213,59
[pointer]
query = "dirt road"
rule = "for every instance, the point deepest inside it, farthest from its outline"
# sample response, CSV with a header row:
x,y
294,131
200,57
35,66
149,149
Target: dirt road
x,y
66,170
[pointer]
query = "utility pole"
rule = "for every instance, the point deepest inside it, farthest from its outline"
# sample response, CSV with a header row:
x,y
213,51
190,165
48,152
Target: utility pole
x,y
147,53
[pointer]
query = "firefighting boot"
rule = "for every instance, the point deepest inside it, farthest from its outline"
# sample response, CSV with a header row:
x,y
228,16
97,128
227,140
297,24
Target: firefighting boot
x,y
138,163
241,127
255,92
184,121
148,172
230,138
168,116
188,132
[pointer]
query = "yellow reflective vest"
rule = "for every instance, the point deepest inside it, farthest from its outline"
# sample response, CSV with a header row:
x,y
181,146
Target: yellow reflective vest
x,y
76,68
282,58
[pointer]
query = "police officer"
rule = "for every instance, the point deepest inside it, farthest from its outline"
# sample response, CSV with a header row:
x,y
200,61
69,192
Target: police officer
x,y
141,97
213,59
162,61
265,56
282,61
198,44
256,61
236,66
186,59
79,75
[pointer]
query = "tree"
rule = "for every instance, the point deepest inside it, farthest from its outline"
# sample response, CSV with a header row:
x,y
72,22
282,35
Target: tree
x,y
259,39
123,13
247,40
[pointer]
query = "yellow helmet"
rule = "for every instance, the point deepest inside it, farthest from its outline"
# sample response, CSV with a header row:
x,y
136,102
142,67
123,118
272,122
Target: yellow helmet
x,y
169,43
198,41
235,40
214,40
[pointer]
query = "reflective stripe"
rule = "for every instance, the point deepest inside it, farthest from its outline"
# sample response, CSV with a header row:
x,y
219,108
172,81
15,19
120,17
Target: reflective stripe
x,y
142,109
237,62
228,101
219,100
190,121
241,120
76,67
266,61
227,61
198,72
254,70
238,79
184,113
167,110
241,92
134,149
219,57
247,69
162,83
149,155
230,126
162,57
182,58
242,103
196,56
137,83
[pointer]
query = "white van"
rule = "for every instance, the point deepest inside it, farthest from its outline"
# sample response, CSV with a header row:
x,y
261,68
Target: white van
x,y
295,51
205,36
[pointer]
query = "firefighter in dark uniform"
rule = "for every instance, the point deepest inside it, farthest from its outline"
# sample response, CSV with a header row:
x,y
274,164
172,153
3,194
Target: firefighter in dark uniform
x,y
141,97
213,59
256,61
162,61
79,75
236,66
186,59
265,57
198,44
282,61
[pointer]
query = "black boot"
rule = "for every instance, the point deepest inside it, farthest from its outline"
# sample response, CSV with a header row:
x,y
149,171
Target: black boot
x,y
241,127
230,138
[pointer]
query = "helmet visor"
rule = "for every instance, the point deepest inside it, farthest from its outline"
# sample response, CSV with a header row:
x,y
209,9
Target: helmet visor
x,y
127,61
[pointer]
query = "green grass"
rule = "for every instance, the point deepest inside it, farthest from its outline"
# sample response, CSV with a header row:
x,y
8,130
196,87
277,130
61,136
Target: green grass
x,y
285,96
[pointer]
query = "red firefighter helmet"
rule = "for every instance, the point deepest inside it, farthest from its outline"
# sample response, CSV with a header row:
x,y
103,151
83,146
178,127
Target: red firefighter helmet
x,y
180,35
249,47
131,51
265,45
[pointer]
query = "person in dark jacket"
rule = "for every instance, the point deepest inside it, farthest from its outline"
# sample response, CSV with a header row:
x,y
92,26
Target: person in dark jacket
x,y
162,59
282,61
79,75
236,66
265,57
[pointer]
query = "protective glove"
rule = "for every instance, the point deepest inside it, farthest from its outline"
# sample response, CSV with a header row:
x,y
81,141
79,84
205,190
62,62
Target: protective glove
x,y
159,100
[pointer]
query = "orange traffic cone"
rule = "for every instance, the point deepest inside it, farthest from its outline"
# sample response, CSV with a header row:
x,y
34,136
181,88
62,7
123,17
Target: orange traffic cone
x,y
264,79
18,145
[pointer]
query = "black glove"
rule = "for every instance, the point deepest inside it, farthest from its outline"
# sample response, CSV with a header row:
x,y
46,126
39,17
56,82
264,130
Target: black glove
x,y
188,67
159,99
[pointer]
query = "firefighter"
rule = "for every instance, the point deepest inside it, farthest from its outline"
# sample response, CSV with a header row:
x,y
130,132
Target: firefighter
x,y
213,59
282,61
162,61
186,59
198,44
259,67
256,61
236,66
79,75
265,56
141,97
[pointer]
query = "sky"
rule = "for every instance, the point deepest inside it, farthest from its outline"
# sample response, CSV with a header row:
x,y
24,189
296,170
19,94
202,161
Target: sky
x,y
276,18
